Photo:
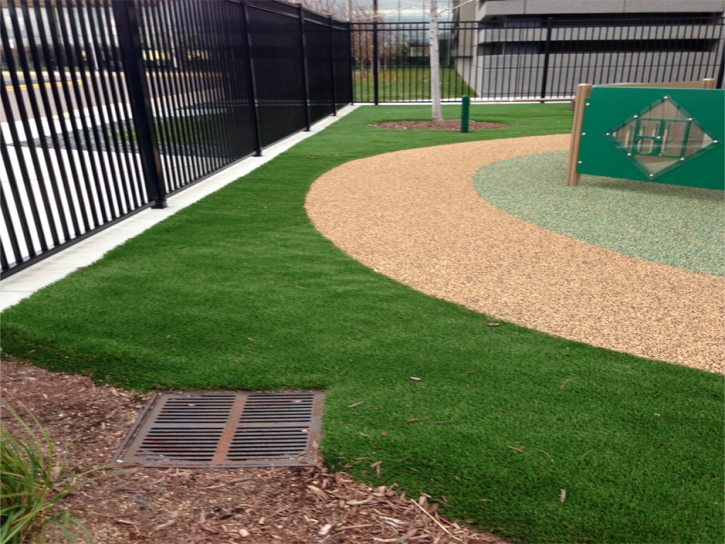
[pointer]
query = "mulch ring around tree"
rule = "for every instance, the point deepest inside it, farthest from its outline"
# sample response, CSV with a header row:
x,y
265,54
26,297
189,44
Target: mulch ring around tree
x,y
453,124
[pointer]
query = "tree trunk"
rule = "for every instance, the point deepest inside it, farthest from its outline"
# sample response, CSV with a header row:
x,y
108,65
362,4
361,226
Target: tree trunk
x,y
435,73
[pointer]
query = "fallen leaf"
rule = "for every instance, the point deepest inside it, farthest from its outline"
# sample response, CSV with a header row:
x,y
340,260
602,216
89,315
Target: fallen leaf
x,y
515,449
415,379
325,529
356,404
412,419
243,533
493,324
562,496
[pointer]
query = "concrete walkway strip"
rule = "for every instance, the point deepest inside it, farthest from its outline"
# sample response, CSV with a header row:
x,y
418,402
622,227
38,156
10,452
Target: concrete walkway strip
x,y
414,216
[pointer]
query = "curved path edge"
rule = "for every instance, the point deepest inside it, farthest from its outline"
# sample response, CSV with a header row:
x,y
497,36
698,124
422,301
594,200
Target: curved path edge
x,y
414,216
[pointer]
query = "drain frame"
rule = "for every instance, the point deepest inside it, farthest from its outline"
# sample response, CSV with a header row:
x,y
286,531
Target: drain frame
x,y
252,428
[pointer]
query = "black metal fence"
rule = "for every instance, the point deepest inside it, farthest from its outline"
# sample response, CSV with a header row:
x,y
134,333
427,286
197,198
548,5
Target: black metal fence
x,y
532,58
108,106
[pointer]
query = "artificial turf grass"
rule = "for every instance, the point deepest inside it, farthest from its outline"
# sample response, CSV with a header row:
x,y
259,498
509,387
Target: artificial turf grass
x,y
240,292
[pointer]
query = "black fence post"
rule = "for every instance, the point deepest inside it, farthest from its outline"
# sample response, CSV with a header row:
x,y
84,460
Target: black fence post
x,y
303,48
375,62
547,52
332,67
721,71
251,83
129,40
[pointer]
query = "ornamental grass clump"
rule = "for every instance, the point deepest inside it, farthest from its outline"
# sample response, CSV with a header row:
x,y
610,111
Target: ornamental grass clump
x,y
34,478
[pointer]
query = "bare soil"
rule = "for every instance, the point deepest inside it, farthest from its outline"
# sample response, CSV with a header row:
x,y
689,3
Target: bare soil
x,y
414,216
184,506
452,124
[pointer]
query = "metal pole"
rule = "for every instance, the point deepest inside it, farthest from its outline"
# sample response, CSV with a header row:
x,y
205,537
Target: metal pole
x,y
721,72
547,51
465,112
332,66
375,62
303,48
251,84
129,40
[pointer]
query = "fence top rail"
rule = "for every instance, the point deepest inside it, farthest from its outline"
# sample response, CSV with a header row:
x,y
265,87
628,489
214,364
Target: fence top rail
x,y
290,10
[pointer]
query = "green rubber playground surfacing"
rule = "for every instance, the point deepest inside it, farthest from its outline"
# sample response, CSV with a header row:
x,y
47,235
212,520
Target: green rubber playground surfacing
x,y
683,227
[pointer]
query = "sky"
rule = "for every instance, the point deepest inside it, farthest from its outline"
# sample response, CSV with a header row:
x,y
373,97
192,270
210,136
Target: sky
x,y
410,10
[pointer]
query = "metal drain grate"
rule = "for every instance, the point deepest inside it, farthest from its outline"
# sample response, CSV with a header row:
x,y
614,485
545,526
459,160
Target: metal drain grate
x,y
225,429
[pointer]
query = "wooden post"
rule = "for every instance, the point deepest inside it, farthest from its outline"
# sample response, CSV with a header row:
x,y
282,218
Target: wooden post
x,y
583,92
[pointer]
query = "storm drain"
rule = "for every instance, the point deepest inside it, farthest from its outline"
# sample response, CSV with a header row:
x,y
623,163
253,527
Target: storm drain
x,y
226,429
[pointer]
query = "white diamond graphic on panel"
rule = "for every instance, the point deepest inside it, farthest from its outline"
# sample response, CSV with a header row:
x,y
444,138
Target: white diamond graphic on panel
x,y
661,137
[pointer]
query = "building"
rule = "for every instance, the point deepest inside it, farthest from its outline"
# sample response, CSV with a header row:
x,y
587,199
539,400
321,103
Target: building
x,y
532,48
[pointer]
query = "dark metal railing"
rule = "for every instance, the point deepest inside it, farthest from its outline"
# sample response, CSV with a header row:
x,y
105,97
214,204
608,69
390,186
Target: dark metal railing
x,y
543,58
109,106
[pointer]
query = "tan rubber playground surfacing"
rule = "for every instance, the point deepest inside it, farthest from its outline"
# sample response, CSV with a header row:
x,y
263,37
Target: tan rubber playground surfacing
x,y
414,216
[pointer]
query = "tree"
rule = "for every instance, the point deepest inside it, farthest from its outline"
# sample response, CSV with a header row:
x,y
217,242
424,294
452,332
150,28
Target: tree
x,y
435,61
435,64
336,8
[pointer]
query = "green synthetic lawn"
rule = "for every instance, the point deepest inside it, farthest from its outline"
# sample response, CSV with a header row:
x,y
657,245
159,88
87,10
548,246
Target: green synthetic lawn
x,y
240,292
678,226
408,83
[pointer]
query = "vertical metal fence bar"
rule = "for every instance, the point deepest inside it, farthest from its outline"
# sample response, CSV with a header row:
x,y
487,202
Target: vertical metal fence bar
x,y
251,86
12,233
333,74
127,23
721,70
303,66
375,62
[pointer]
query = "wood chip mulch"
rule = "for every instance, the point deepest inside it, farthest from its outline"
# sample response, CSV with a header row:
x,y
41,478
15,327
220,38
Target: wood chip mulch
x,y
184,506
453,124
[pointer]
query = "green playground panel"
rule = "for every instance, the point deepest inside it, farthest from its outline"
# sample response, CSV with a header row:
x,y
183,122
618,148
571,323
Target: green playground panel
x,y
625,135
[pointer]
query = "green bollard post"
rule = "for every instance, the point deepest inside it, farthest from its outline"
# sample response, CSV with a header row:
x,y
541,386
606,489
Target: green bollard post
x,y
465,109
